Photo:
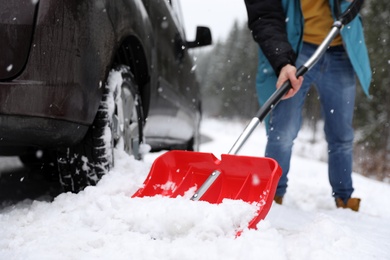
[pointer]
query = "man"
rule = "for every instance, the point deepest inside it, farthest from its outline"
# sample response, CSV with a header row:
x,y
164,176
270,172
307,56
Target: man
x,y
288,32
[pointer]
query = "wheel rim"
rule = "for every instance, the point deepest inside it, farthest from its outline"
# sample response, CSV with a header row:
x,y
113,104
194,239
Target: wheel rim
x,y
130,119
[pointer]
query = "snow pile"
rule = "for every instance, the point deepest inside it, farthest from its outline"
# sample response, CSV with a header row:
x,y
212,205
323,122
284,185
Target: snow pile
x,y
104,222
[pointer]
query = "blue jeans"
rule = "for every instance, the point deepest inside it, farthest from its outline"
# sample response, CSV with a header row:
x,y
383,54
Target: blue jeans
x,y
334,79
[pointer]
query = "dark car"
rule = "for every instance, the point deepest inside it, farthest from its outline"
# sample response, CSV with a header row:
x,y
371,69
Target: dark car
x,y
80,77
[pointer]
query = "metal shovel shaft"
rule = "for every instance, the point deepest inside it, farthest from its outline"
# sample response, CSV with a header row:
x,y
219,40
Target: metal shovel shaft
x,y
206,185
277,96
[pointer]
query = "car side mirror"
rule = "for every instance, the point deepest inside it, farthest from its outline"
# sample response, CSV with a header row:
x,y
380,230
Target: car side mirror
x,y
203,37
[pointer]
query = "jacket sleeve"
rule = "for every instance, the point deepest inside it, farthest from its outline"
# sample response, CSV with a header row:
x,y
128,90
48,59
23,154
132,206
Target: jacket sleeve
x,y
267,22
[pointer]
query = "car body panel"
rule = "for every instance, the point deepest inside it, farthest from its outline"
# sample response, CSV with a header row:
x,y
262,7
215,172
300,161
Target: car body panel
x,y
63,75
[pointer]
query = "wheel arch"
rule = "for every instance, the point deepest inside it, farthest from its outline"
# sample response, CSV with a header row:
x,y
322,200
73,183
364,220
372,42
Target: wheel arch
x,y
134,44
131,52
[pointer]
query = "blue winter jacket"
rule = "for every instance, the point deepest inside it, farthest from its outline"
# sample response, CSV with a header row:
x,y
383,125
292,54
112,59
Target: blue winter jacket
x,y
352,35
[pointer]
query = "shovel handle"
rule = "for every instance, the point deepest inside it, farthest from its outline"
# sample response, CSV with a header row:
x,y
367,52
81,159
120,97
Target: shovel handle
x,y
350,13
346,17
274,99
278,95
343,19
264,111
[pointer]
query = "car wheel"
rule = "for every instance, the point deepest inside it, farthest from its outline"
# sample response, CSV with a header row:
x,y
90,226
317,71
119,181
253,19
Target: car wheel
x,y
118,123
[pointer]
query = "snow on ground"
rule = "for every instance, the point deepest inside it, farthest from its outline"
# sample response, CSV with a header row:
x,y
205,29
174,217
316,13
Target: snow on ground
x,y
103,222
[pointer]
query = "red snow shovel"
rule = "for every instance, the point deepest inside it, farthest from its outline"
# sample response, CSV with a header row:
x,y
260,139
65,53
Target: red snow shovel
x,y
251,179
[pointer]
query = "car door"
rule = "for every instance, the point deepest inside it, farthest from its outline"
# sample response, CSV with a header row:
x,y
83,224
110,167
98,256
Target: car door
x,y
177,95
187,77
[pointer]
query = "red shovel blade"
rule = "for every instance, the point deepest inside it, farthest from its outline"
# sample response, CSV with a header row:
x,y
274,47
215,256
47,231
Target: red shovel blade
x,y
251,179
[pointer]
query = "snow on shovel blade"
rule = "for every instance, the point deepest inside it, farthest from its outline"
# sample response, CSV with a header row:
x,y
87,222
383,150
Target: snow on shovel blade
x,y
251,179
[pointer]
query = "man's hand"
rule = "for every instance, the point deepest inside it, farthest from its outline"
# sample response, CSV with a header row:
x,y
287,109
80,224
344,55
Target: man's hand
x,y
288,73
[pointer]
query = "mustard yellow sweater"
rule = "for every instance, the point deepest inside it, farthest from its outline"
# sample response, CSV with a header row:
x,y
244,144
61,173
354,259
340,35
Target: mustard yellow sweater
x,y
316,27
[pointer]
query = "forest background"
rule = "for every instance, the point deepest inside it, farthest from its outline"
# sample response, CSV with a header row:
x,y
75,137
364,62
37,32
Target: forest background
x,y
227,73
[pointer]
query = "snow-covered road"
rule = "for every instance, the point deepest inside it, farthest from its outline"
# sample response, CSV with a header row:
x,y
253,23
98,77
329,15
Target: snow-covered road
x,y
103,222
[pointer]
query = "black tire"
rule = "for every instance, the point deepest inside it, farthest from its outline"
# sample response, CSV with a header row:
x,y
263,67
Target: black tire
x,y
35,158
193,144
42,161
85,164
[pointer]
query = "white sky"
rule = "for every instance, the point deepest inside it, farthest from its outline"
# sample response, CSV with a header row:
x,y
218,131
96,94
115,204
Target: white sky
x,y
218,15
